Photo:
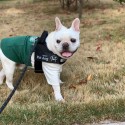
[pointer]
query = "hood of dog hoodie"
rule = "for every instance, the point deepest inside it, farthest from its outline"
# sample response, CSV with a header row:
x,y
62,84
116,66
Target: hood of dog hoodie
x,y
18,48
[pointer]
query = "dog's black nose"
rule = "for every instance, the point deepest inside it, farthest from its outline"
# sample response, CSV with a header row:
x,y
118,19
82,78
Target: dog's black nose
x,y
65,46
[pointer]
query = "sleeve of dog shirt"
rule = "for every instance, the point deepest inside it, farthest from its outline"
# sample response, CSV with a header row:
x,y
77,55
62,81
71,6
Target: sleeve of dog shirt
x,y
52,73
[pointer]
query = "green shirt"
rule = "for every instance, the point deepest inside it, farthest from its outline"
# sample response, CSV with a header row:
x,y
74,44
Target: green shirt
x,y
18,48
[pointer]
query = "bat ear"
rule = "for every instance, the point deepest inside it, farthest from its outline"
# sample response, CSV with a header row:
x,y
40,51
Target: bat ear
x,y
58,23
76,24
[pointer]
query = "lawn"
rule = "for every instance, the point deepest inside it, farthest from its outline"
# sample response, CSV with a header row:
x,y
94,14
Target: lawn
x,y
94,78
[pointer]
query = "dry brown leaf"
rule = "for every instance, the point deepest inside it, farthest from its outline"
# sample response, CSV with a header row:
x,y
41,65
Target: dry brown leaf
x,y
98,48
72,86
99,45
10,35
92,58
89,77
83,81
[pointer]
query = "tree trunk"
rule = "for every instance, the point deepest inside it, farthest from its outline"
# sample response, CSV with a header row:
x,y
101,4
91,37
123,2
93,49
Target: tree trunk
x,y
62,2
80,8
76,4
68,2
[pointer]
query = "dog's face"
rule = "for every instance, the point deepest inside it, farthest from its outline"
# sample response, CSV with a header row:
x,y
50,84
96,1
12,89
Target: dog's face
x,y
66,40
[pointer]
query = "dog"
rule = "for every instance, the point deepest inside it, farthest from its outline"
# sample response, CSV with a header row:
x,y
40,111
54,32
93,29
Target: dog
x,y
63,42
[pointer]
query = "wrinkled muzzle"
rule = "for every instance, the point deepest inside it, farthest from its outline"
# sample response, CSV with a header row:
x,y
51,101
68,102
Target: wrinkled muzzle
x,y
66,53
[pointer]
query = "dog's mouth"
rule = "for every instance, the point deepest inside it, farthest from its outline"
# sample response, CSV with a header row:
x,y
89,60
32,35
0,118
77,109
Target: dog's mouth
x,y
66,54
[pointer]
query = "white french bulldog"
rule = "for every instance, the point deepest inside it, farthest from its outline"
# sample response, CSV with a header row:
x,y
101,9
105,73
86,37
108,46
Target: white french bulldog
x,y
63,42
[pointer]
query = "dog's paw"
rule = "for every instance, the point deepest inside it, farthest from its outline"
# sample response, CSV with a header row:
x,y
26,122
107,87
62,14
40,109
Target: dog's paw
x,y
10,86
63,101
59,98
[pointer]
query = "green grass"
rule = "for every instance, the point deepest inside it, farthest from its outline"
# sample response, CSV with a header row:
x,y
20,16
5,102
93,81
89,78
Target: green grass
x,y
64,114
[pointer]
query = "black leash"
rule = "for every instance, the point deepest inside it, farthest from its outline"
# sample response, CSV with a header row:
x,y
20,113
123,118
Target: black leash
x,y
21,76
13,91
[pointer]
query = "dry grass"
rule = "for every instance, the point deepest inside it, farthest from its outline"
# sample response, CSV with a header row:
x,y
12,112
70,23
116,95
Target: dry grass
x,y
94,77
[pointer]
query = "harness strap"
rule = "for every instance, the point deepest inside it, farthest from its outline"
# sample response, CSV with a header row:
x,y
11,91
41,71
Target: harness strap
x,y
43,54
38,64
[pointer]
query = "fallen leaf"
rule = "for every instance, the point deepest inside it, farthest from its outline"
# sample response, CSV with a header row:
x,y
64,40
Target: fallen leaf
x,y
99,45
89,77
92,58
76,86
98,48
83,81
72,86
10,35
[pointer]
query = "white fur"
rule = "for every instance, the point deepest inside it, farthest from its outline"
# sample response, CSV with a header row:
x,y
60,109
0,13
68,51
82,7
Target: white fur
x,y
51,71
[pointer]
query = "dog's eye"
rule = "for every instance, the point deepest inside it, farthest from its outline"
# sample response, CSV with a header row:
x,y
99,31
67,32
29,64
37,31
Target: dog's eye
x,y
73,40
58,41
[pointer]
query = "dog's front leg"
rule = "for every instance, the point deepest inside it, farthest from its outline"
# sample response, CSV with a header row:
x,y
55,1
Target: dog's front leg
x,y
52,74
57,93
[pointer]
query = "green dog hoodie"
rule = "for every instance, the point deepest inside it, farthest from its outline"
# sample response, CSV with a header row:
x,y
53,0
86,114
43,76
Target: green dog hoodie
x,y
18,48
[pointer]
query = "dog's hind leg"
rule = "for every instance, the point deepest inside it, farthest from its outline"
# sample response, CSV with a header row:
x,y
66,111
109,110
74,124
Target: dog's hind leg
x,y
2,76
9,71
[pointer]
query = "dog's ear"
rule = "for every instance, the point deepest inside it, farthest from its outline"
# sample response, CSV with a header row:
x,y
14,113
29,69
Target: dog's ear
x,y
58,23
75,24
